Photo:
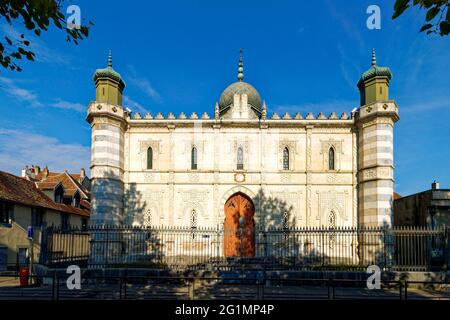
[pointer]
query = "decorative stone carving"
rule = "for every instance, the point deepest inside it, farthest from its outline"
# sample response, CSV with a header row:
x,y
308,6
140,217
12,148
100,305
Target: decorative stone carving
x,y
298,116
216,111
194,177
194,115
327,144
149,177
333,116
332,201
192,200
148,115
285,177
205,115
287,116
137,116
264,111
292,201
170,115
182,116
275,116
321,116
159,116
309,116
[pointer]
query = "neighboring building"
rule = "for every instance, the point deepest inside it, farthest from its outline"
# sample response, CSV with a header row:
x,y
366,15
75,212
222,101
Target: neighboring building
x,y
65,187
283,170
22,205
428,208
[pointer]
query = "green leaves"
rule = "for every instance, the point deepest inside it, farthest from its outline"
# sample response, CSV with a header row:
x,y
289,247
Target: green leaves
x,y
439,9
36,16
426,27
432,13
399,7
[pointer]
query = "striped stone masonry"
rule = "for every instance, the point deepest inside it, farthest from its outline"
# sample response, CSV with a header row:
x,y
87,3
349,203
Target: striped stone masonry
x,y
375,124
107,162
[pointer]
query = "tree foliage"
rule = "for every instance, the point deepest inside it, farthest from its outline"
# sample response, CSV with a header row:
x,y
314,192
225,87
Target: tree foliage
x,y
437,18
37,16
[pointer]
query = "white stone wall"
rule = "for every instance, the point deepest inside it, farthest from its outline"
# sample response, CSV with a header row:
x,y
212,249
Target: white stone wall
x,y
308,191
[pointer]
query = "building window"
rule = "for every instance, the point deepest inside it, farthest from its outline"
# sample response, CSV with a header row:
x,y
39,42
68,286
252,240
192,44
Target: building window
x,y
286,158
148,218
6,212
331,159
59,194
76,200
37,217
285,220
193,223
194,158
240,159
64,221
150,158
332,229
84,224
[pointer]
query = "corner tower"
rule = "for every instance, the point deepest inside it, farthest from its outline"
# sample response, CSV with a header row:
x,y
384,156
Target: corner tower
x,y
375,121
108,123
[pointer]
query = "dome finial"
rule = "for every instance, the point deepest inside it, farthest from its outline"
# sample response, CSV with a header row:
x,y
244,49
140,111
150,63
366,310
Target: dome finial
x,y
374,58
110,59
240,67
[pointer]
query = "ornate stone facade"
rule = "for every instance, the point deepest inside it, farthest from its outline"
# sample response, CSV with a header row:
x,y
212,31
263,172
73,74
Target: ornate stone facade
x,y
337,168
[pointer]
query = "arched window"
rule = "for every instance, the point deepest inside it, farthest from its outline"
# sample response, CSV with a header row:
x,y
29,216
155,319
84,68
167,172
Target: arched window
x,y
59,194
286,158
193,223
331,159
331,228
148,218
240,159
194,158
193,220
150,158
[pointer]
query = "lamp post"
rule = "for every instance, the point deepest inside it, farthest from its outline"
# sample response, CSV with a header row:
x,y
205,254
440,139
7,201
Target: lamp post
x,y
241,231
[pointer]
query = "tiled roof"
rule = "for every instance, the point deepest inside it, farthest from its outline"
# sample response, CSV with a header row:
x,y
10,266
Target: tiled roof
x,y
19,190
69,182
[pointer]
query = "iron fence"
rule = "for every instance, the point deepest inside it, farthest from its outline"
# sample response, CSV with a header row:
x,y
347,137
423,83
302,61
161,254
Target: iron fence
x,y
401,248
54,287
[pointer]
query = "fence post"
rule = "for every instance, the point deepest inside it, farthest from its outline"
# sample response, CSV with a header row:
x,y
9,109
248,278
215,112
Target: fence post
x,y
447,248
260,295
54,286
191,288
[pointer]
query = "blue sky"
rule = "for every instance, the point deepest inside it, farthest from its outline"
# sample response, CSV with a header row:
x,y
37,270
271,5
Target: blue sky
x,y
304,56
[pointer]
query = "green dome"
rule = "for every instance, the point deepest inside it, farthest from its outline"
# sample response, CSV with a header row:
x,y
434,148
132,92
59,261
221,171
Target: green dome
x,y
109,72
375,71
240,87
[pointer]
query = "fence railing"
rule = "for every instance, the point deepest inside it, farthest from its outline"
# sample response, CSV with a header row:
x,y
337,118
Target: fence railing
x,y
54,287
401,248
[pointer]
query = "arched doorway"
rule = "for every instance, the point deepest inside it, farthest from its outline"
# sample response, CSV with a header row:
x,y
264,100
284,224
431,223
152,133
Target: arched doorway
x,y
239,226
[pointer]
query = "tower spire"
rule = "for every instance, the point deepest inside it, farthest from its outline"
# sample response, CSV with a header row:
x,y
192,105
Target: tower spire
x,y
110,59
374,58
240,67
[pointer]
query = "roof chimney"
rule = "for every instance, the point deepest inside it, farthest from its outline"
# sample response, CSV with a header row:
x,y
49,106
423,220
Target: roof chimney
x,y
24,172
82,174
37,169
45,172
435,185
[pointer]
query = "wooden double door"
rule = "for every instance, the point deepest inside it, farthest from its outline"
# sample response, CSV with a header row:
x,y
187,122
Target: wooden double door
x,y
239,227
